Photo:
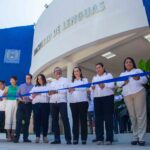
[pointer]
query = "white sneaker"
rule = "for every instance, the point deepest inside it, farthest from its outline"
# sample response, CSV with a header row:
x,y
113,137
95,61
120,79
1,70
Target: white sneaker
x,y
37,140
108,143
45,140
100,142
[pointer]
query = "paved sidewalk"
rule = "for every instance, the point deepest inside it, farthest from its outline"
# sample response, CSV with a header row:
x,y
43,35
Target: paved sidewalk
x,y
89,146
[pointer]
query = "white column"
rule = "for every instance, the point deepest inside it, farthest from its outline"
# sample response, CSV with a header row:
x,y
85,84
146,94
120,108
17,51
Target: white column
x,y
70,67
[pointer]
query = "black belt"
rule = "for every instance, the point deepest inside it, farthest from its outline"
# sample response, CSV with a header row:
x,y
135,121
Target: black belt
x,y
24,102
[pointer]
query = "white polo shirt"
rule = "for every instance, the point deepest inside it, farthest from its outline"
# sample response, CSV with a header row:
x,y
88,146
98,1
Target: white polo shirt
x,y
80,94
61,96
107,90
133,86
40,98
3,102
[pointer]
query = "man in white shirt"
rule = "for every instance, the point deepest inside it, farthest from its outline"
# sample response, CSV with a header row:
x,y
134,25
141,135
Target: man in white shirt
x,y
2,104
58,104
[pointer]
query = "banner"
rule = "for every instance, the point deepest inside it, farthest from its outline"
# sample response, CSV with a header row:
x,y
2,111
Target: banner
x,y
123,78
15,52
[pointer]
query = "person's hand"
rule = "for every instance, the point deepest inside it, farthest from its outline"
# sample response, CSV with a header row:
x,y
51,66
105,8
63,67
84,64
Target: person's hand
x,y
21,100
71,90
34,95
93,87
136,78
24,98
125,82
88,91
52,92
102,85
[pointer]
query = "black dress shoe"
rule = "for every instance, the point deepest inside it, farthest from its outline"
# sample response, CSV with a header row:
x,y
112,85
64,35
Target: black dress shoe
x,y
134,142
27,141
94,140
75,142
56,142
83,142
68,142
141,143
16,140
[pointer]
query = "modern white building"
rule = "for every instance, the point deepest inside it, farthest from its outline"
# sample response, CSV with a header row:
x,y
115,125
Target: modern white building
x,y
82,32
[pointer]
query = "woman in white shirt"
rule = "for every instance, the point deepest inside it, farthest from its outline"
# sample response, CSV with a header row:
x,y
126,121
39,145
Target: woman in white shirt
x,y
78,105
135,100
103,105
40,108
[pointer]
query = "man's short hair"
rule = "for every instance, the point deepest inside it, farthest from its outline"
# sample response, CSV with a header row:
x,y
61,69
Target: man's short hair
x,y
30,75
57,69
13,77
2,81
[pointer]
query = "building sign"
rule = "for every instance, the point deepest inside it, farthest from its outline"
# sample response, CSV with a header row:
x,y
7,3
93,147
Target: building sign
x,y
88,12
12,56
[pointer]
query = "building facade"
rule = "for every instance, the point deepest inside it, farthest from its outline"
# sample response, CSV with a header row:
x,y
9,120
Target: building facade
x,y
84,32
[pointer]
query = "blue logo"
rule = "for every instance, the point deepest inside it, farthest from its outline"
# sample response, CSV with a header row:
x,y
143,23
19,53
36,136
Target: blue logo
x,y
12,56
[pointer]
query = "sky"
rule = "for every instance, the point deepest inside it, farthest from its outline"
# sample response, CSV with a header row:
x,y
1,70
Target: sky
x,y
20,12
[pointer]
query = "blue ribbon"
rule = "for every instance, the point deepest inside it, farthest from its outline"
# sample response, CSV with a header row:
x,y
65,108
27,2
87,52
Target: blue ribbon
x,y
118,79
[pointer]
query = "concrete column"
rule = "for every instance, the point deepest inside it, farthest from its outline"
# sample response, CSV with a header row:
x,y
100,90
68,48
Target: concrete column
x,y
70,67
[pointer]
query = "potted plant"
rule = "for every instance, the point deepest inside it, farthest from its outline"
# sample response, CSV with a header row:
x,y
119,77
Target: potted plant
x,y
120,114
145,66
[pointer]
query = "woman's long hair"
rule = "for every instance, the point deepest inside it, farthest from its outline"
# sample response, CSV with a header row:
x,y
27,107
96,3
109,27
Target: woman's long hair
x,y
73,76
132,60
43,79
102,65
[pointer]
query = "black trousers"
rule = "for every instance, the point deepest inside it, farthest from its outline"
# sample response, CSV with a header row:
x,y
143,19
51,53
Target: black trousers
x,y
104,109
61,108
2,120
41,118
23,113
79,116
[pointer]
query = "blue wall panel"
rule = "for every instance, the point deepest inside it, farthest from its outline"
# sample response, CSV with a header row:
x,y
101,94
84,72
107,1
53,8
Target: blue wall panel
x,y
15,52
147,7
